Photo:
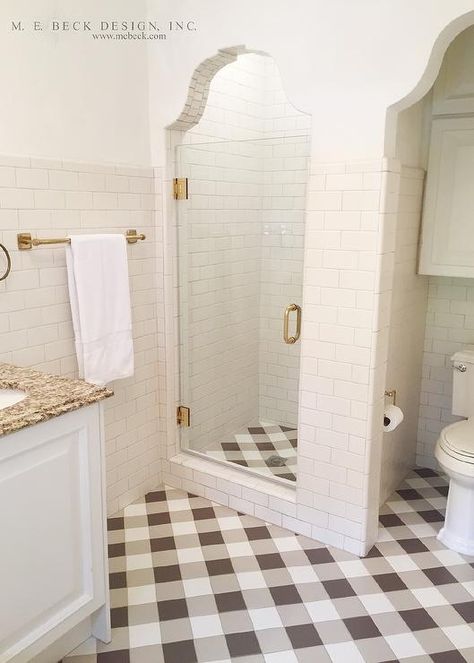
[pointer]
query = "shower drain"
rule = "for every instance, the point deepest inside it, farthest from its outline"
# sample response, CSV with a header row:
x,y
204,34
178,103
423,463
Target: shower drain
x,y
276,461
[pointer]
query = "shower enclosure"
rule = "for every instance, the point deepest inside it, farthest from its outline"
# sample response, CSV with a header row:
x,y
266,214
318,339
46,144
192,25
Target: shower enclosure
x,y
240,266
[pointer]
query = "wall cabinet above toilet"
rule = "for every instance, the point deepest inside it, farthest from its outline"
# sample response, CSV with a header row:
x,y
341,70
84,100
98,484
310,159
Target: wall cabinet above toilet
x,y
447,235
447,238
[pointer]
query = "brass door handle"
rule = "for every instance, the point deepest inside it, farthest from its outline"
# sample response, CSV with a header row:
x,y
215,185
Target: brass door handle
x,y
286,321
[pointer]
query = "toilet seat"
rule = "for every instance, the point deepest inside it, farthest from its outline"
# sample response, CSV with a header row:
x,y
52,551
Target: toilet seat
x,y
457,441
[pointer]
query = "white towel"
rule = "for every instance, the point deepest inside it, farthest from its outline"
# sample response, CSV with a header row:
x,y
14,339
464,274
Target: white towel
x,y
97,271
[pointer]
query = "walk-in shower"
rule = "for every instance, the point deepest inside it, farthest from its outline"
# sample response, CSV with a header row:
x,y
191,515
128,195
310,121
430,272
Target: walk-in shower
x,y
240,236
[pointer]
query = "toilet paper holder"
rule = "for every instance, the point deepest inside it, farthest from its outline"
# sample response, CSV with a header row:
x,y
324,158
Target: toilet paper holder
x,y
391,393
392,415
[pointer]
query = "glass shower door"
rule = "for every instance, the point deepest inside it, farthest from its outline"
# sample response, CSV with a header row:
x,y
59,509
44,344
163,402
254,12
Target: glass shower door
x,y
240,261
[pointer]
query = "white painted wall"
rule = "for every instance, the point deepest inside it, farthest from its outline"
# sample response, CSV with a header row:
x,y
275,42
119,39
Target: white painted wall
x,y
67,96
55,83
386,48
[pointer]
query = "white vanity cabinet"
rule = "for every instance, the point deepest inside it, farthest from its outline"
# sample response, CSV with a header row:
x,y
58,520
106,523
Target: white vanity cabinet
x,y
447,239
53,565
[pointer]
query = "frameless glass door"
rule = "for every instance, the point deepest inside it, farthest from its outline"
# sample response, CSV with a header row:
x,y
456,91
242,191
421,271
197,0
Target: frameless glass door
x,y
240,265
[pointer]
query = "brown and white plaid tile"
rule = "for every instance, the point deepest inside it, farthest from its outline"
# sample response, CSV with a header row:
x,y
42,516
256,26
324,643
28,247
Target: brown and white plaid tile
x,y
195,582
268,449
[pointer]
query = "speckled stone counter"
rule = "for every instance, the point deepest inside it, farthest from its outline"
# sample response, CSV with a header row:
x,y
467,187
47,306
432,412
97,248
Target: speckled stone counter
x,y
47,396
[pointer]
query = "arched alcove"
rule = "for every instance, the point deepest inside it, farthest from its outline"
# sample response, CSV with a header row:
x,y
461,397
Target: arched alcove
x,y
421,342
245,150
425,83
201,81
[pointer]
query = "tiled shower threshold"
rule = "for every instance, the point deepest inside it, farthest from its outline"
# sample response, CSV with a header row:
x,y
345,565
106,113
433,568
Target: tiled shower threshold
x,y
236,474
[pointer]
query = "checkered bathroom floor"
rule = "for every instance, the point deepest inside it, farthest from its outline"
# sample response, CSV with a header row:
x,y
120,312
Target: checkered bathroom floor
x,y
192,581
255,447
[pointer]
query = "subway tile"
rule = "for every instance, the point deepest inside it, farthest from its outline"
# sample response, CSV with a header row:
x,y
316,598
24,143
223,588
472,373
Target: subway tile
x,y
9,219
338,297
11,198
360,200
324,200
342,220
344,182
78,200
105,200
90,181
312,516
47,199
333,259
358,241
12,161
334,404
62,179
30,178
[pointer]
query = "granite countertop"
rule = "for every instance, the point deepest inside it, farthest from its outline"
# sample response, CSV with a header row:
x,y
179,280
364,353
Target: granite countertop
x,y
47,396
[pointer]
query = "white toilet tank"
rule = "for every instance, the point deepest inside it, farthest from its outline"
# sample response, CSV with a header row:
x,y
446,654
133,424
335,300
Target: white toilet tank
x,y
463,382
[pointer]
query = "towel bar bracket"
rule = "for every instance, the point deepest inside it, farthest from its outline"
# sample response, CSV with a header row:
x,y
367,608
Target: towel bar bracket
x,y
26,241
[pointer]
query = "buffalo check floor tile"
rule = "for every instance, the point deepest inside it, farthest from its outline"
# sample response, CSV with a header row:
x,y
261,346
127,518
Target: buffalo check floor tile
x,y
195,582
268,449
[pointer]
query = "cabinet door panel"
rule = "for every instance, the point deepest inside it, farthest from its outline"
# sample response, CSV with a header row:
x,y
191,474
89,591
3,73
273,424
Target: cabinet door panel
x,y
49,529
447,246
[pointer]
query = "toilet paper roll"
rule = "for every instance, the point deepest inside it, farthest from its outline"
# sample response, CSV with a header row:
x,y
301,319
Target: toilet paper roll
x,y
392,418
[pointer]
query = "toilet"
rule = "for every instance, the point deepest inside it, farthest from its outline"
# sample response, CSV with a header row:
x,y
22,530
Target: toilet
x,y
455,454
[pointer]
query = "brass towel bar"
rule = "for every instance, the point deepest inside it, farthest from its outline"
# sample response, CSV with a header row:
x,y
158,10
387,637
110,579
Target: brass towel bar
x,y
26,241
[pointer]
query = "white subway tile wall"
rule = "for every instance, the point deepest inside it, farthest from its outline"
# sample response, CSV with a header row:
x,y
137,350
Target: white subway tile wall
x,y
241,101
407,331
340,402
449,327
55,199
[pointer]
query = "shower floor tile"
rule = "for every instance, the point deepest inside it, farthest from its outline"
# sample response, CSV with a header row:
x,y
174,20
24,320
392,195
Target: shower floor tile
x,y
191,583
268,449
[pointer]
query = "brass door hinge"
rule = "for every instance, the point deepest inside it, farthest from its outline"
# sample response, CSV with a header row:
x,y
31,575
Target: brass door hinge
x,y
180,188
183,416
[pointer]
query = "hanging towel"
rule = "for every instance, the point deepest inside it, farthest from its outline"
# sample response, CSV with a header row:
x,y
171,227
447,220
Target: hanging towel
x,y
97,272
